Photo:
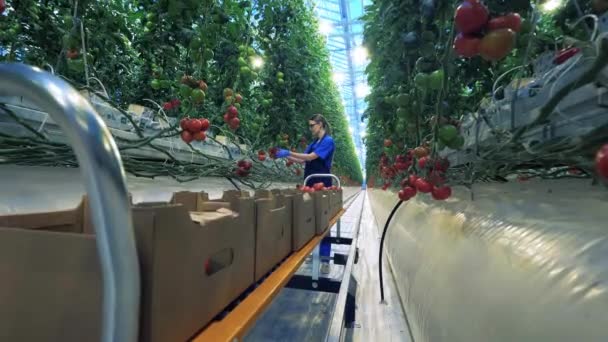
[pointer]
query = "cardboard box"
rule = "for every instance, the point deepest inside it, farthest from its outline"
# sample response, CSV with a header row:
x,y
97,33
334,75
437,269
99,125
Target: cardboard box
x,y
336,202
273,231
193,264
322,217
301,209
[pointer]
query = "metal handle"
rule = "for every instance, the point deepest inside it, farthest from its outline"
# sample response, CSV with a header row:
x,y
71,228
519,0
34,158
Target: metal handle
x,y
104,177
322,175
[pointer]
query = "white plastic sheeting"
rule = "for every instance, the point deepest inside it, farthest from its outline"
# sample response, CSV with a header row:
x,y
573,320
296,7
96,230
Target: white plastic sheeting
x,y
32,189
522,262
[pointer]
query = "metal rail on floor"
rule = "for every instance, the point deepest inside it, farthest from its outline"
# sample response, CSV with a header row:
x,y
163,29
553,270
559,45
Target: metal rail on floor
x,y
341,309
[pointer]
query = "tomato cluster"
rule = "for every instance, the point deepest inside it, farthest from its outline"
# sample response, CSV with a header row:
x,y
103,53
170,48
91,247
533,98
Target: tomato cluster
x,y
317,187
173,104
243,167
194,129
492,38
433,183
193,89
233,102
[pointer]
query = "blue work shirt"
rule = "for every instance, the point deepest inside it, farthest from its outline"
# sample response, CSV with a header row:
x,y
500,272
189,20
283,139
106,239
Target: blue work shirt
x,y
324,148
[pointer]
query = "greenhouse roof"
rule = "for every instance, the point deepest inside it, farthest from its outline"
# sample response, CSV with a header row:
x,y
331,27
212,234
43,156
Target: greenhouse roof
x,y
340,22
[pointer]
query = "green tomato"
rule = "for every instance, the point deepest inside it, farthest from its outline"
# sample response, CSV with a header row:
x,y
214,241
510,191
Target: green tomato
x,y
422,81
196,43
242,48
208,54
245,71
456,143
150,16
155,84
436,79
68,20
197,95
281,81
403,99
165,84
242,62
280,75
266,102
250,51
402,112
150,25
185,91
447,133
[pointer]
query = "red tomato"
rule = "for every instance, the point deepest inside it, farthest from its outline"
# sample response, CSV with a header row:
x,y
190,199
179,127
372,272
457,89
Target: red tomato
x,y
242,172
388,143
423,186
412,180
202,86
71,54
262,157
402,195
233,111
239,98
410,191
497,44
186,136
226,118
401,166
422,162
195,125
318,186
442,164
175,103
183,123
471,17
167,106
205,124
511,21
442,193
200,136
466,46
436,178
235,123
601,161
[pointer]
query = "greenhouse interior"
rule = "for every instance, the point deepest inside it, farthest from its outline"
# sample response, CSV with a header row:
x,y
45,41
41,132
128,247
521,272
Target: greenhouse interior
x,y
303,170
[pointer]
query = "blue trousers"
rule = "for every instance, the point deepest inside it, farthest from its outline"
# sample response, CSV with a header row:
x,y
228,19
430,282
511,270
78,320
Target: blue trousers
x,y
325,248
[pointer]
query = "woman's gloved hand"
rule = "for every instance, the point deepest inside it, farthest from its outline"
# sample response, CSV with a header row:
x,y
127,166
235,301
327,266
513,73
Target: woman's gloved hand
x,y
283,153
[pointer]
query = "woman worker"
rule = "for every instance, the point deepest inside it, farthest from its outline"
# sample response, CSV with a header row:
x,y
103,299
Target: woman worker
x,y
317,158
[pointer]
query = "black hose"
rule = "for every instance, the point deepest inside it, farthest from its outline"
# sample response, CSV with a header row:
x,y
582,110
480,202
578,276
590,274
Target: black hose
x,y
390,217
